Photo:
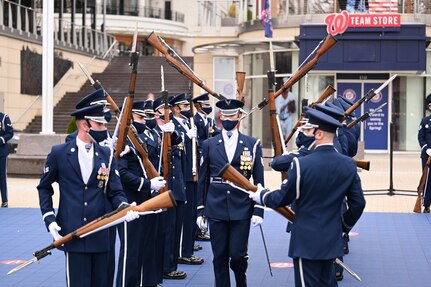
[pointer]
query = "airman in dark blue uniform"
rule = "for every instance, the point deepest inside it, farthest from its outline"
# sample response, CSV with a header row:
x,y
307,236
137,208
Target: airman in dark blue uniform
x,y
89,187
227,209
180,107
103,138
172,219
206,128
6,133
316,238
424,138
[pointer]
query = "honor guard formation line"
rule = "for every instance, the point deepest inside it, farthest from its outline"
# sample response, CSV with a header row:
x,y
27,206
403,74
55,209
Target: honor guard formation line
x,y
168,175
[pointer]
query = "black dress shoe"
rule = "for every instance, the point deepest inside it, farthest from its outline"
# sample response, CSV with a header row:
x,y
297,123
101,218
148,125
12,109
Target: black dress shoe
x,y
175,275
197,247
339,276
202,237
4,204
426,209
192,260
346,249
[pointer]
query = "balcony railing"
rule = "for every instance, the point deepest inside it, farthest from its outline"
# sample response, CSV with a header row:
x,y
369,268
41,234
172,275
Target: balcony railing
x,y
218,13
26,19
146,11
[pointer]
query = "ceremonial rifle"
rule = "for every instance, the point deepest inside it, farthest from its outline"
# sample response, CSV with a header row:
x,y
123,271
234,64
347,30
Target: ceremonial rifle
x,y
326,93
230,174
127,113
371,93
178,63
161,201
194,140
132,135
303,69
166,135
274,121
365,116
421,186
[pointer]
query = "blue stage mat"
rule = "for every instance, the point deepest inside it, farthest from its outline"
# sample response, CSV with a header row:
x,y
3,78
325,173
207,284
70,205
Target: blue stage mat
x,y
389,249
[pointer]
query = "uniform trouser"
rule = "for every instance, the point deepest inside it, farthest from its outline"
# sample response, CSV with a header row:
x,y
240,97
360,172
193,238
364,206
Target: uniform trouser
x,y
3,175
174,220
130,257
160,245
111,255
86,269
426,194
150,271
229,240
314,273
189,221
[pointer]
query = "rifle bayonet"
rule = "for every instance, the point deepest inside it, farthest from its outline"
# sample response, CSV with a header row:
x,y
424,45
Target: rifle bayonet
x,y
162,76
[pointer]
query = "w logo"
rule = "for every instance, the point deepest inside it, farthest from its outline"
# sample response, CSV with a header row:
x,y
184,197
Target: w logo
x,y
337,23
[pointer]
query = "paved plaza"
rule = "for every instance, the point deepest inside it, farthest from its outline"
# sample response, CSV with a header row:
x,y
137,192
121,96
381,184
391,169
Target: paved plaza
x,y
389,246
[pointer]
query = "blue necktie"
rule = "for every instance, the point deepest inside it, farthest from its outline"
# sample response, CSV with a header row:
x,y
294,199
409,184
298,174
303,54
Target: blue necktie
x,y
229,134
88,147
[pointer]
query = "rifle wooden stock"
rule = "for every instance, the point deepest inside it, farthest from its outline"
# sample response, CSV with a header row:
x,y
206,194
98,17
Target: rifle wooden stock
x,y
327,43
277,142
231,174
156,42
166,144
364,164
421,186
326,93
240,79
127,112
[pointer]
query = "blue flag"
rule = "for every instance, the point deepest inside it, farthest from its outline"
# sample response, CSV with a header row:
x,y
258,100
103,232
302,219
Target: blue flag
x,y
266,19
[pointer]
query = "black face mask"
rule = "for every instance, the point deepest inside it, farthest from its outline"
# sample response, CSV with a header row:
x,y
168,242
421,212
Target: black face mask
x,y
186,113
304,140
207,110
140,127
151,124
98,136
229,124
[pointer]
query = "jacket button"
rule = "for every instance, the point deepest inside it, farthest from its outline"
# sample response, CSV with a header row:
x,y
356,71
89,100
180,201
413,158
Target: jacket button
x,y
85,203
85,219
228,192
86,187
173,166
173,177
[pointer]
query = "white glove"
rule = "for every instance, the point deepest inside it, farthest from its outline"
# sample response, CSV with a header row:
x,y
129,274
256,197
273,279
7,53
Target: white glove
x,y
157,183
256,195
256,220
131,215
125,151
54,229
192,133
428,151
109,142
202,223
168,127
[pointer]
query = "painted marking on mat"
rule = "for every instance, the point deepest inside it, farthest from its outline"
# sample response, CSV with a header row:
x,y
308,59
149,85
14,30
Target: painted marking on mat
x,y
281,264
13,262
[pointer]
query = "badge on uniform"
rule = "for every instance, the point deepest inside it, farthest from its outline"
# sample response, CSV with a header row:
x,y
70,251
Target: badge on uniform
x,y
246,161
102,175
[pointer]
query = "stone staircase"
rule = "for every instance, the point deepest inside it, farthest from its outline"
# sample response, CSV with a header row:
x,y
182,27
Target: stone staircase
x,y
115,79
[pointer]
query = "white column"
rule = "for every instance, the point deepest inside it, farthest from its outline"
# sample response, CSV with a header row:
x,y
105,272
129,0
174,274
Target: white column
x,y
47,67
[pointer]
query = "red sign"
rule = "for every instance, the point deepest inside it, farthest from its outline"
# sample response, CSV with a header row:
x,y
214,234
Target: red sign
x,y
13,262
337,23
